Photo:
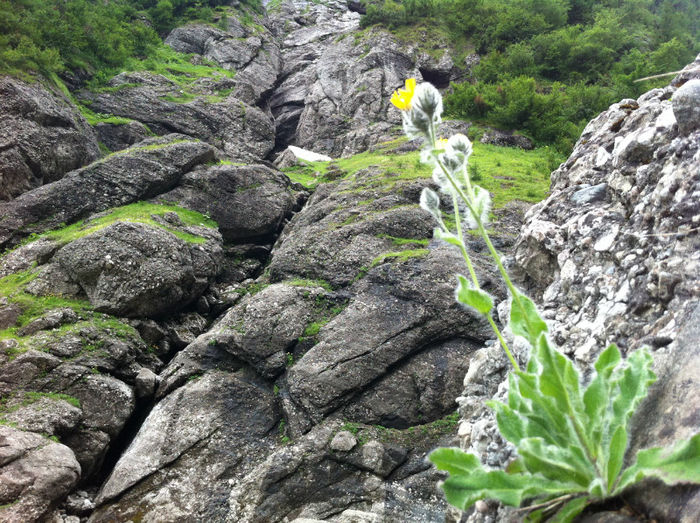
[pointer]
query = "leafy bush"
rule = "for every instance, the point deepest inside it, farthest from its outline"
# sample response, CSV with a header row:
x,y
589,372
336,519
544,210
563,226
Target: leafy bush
x,y
50,36
571,441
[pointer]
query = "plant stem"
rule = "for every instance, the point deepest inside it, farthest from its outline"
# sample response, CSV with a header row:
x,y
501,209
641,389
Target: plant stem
x,y
469,203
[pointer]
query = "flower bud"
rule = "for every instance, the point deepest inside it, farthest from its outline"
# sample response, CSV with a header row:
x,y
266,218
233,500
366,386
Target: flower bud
x,y
460,143
415,123
428,100
452,161
430,201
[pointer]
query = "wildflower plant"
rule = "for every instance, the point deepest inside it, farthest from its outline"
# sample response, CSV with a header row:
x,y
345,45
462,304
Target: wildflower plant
x,y
571,440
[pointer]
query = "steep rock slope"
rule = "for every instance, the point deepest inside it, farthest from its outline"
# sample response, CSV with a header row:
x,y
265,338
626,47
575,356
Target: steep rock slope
x,y
614,256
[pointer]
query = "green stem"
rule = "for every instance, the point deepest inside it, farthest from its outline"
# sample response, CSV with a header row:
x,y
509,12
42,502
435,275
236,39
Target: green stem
x,y
460,236
463,248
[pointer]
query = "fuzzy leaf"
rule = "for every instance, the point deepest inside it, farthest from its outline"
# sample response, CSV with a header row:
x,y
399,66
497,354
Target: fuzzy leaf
x,y
629,386
439,234
557,463
475,298
618,446
558,378
509,489
632,384
454,461
510,424
544,410
525,321
597,395
681,464
570,510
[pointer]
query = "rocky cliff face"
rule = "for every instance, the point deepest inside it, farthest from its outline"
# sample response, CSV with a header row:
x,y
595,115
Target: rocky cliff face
x,y
186,335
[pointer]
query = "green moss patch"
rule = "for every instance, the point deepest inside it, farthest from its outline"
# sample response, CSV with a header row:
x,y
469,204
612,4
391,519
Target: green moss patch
x,y
140,212
400,256
411,437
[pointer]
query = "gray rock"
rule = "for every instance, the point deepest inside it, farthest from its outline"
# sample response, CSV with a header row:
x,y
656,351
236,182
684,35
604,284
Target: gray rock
x,y
34,473
50,320
133,269
263,328
686,106
248,202
335,88
42,137
336,236
190,469
120,136
398,309
145,383
252,52
622,268
126,177
343,441
9,313
589,194
505,139
421,389
241,130
46,416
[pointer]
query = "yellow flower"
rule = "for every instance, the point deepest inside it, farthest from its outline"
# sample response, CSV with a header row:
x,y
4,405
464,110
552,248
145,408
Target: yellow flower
x,y
441,143
402,97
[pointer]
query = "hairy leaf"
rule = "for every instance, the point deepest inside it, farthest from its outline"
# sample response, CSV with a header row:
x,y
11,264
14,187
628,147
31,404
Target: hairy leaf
x,y
525,321
510,489
570,510
616,455
681,464
597,395
555,462
454,460
476,298
439,234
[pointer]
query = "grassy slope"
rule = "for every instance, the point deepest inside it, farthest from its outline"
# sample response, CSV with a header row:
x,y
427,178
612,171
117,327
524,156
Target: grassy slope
x,y
507,173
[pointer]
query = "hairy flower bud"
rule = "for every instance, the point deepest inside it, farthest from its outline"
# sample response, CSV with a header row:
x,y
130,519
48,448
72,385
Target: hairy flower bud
x,y
429,200
452,161
416,123
460,143
428,100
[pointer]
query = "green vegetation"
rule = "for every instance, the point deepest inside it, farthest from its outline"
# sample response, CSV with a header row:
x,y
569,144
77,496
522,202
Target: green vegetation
x,y
140,212
13,286
51,36
401,242
509,173
426,433
324,310
399,255
549,66
301,282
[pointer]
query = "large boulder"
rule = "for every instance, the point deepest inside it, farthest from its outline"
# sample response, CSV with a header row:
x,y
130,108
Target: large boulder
x,y
75,383
134,269
346,225
151,168
187,454
35,474
42,137
240,129
399,309
248,202
336,84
